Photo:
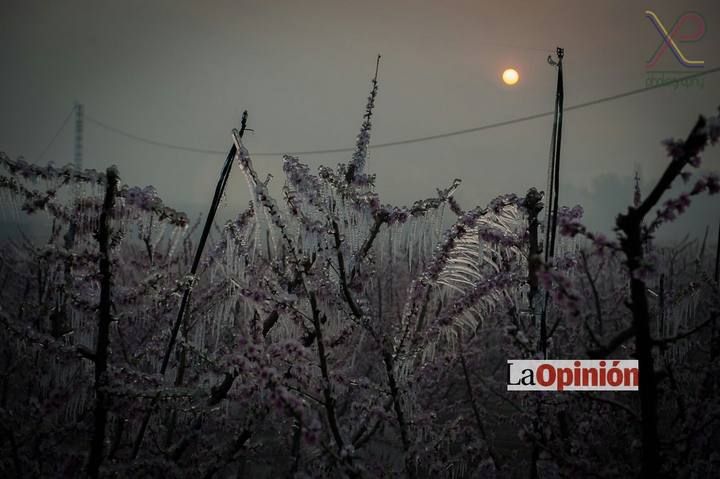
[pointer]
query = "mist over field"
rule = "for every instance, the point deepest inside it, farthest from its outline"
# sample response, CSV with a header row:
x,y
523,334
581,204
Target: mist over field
x,y
183,72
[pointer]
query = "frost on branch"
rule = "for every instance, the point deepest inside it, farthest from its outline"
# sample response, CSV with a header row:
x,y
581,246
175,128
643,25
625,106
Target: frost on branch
x,y
355,173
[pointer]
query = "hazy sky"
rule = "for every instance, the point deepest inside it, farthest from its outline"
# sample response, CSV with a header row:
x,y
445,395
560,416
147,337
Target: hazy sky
x,y
181,72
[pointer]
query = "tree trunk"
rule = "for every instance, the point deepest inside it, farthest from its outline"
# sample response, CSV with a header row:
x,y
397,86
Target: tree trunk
x,y
103,333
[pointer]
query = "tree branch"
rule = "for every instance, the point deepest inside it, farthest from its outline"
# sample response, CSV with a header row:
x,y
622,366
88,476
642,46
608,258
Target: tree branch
x,y
329,399
395,394
614,343
476,412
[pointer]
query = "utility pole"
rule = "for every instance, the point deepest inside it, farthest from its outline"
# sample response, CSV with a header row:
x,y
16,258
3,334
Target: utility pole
x,y
79,125
78,162
555,144
553,185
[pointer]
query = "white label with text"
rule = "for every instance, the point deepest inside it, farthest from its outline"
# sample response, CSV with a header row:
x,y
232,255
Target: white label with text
x,y
573,375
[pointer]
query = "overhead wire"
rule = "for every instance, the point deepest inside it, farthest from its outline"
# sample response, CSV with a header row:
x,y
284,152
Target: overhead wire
x,y
408,141
55,136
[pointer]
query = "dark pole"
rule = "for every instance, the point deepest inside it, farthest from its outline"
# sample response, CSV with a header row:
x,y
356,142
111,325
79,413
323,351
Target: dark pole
x,y
219,189
558,141
554,187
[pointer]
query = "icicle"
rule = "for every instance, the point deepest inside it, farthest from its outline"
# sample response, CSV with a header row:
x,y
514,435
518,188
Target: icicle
x,y
175,236
161,230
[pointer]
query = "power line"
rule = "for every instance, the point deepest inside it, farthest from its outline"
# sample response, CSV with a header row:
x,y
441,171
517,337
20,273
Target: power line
x,y
55,136
150,141
410,140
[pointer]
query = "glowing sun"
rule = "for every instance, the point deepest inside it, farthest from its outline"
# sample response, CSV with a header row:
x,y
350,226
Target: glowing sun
x,y
510,76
